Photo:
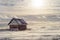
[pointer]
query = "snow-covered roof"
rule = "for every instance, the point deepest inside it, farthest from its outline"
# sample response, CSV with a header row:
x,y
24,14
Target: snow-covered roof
x,y
16,21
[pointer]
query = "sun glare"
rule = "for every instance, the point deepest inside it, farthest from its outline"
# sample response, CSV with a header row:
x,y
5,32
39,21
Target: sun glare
x,y
37,3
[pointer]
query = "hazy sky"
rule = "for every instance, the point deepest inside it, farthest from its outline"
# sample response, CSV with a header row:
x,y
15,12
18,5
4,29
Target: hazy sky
x,y
29,7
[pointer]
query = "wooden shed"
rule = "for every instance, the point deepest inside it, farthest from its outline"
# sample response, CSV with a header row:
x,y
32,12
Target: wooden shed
x,y
17,24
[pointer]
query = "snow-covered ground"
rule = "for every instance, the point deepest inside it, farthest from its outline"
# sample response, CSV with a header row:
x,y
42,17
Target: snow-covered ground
x,y
34,32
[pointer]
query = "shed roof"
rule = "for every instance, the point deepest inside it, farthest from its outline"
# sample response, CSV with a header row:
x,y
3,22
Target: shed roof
x,y
17,21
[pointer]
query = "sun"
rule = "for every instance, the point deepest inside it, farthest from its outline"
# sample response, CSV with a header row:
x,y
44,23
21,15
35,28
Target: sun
x,y
37,3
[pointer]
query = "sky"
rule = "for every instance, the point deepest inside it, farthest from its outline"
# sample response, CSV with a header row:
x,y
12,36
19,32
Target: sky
x,y
29,7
